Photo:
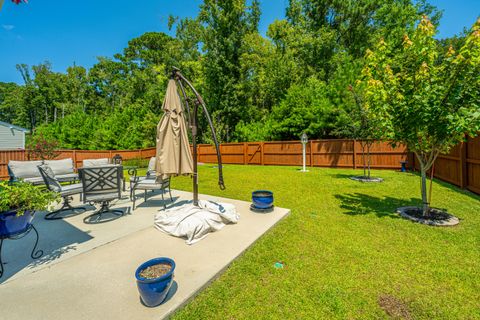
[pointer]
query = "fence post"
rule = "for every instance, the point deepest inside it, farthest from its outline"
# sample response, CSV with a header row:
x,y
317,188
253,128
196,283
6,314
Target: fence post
x,y
354,154
311,153
463,165
75,158
245,153
262,161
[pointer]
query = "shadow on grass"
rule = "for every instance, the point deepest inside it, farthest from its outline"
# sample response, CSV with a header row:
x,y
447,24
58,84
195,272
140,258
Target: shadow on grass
x,y
351,175
361,204
344,175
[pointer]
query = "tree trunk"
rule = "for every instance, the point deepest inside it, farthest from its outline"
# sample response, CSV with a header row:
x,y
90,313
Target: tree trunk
x,y
425,204
368,159
363,159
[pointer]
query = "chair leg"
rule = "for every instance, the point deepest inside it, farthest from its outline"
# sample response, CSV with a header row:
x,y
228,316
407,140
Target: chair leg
x,y
56,215
96,217
145,196
133,198
170,192
163,200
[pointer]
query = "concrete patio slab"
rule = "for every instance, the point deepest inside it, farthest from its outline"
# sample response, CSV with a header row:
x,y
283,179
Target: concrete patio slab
x,y
88,270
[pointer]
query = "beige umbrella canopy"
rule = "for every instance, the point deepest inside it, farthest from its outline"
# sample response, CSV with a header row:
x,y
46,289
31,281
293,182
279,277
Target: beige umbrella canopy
x,y
173,149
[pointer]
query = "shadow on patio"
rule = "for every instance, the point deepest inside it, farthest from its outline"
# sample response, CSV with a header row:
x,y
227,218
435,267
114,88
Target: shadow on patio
x,y
359,203
56,238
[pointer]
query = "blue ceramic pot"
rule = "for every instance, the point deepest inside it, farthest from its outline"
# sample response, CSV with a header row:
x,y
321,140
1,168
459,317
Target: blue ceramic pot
x,y
11,224
154,291
262,199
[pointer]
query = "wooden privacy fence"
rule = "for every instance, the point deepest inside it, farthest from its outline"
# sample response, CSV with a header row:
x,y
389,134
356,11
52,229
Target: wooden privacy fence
x,y
461,167
319,153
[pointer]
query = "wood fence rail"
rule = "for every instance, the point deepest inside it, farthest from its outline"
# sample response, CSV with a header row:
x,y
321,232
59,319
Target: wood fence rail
x,y
461,167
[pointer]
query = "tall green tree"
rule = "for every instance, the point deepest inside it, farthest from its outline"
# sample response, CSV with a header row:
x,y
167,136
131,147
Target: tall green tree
x,y
225,26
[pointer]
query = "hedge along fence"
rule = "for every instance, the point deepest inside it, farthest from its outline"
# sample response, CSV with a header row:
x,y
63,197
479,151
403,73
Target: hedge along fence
x,y
460,167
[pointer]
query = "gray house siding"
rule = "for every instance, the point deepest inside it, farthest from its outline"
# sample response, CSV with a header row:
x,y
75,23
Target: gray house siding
x,y
11,138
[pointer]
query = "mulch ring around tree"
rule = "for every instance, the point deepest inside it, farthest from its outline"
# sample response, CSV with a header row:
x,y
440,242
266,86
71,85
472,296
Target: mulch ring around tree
x,y
155,271
366,179
437,217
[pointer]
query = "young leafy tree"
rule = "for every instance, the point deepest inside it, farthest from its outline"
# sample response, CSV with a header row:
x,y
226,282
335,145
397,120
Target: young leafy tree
x,y
360,124
425,102
43,148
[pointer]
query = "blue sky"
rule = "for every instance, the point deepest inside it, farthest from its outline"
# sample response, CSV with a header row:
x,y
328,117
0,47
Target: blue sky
x,y
64,32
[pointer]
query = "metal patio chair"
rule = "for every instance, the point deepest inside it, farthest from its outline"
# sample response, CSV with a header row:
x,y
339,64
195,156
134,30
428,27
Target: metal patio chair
x,y
151,184
102,185
65,191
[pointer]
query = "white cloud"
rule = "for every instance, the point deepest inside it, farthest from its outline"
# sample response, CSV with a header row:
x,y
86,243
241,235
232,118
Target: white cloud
x,y
8,27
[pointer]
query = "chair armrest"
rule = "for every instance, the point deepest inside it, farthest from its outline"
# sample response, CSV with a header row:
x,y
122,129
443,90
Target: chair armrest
x,y
132,172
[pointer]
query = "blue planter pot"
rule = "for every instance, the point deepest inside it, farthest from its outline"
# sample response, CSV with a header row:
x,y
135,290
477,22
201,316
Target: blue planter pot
x,y
154,291
262,199
11,224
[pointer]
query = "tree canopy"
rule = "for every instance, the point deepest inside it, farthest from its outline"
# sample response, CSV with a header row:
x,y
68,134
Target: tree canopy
x,y
257,87
424,98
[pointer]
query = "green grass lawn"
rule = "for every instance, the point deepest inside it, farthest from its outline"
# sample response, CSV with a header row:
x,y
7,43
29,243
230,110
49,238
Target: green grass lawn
x,y
347,255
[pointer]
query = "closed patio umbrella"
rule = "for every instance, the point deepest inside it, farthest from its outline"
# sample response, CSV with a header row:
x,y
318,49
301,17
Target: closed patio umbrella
x,y
173,155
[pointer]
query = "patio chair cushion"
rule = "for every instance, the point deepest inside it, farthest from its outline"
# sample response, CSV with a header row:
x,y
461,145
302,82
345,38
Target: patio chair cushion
x,y
108,196
71,189
64,166
151,164
67,177
148,184
96,162
25,169
36,180
53,183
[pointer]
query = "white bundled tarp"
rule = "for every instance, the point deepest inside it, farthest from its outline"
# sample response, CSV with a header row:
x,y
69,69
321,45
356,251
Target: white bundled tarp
x,y
195,223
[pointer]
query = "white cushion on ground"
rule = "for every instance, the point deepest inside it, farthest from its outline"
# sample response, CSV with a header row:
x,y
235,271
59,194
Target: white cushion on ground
x,y
64,166
25,169
95,162
195,223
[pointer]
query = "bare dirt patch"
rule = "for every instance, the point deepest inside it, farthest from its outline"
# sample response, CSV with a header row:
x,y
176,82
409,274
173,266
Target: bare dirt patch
x,y
395,308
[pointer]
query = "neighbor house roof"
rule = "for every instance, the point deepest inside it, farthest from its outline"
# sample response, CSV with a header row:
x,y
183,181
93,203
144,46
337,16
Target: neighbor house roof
x,y
12,126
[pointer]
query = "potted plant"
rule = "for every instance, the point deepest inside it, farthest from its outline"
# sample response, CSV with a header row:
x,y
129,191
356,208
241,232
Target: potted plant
x,y
18,203
154,279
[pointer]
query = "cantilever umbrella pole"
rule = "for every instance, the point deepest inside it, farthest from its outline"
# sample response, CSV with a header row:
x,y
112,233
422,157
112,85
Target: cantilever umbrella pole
x,y
194,126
